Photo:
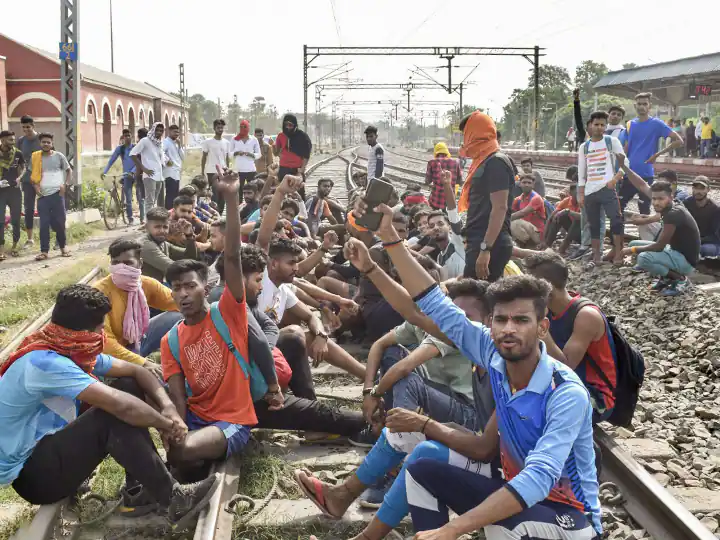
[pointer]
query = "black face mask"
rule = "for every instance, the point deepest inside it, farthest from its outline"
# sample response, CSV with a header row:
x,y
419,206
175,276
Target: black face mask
x,y
289,131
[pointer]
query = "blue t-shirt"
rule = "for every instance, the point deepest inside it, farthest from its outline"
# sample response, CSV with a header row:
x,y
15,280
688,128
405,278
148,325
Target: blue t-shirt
x,y
37,398
642,140
254,217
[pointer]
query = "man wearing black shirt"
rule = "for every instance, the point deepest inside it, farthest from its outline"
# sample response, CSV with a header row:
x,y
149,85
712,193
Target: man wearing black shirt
x,y
12,164
488,201
676,251
707,216
250,196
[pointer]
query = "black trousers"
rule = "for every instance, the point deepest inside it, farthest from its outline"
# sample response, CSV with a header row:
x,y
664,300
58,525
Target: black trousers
x,y
499,257
309,415
295,352
282,171
552,228
29,197
11,197
172,187
217,197
61,462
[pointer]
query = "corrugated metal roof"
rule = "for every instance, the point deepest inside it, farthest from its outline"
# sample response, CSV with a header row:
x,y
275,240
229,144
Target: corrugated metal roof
x,y
100,76
684,67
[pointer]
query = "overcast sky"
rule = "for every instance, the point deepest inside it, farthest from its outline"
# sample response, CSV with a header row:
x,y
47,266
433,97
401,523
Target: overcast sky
x,y
255,48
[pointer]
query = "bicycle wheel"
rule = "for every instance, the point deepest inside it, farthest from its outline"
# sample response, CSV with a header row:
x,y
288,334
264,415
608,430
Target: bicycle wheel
x,y
123,203
111,209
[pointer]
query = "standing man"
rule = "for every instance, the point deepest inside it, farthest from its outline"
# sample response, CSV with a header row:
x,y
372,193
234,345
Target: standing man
x,y
376,154
705,137
486,197
245,151
149,159
27,144
128,179
691,142
266,159
294,147
50,174
12,166
216,151
434,178
643,134
171,171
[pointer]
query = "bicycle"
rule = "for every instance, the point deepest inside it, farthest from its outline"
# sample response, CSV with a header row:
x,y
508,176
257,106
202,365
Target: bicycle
x,y
114,202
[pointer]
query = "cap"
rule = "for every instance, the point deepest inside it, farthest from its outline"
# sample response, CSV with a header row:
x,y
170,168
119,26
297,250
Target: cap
x,y
701,181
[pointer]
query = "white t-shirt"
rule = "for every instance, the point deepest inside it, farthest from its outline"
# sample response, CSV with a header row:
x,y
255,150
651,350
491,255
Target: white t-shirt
x,y
597,167
275,300
217,151
152,157
245,163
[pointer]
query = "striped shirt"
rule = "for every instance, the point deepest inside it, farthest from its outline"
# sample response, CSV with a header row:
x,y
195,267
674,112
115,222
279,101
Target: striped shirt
x,y
596,166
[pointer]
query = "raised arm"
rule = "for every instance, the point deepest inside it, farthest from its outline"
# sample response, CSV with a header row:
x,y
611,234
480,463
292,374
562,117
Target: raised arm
x,y
637,181
112,160
289,185
230,186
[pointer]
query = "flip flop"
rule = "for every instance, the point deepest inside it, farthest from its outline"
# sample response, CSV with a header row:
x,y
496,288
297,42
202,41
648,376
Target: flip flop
x,y
317,498
66,254
42,257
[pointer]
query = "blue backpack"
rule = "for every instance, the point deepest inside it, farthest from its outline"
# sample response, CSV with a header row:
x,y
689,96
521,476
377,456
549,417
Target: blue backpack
x,y
258,385
549,209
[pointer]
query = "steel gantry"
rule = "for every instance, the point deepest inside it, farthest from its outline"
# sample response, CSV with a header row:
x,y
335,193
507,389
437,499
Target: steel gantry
x,y
70,86
531,54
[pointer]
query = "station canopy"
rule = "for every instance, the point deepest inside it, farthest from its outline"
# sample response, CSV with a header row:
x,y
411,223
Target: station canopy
x,y
686,81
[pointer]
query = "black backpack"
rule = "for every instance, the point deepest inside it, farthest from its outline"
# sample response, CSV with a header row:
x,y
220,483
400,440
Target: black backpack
x,y
630,367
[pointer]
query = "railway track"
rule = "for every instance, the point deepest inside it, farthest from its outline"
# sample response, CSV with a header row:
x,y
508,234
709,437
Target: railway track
x,y
648,503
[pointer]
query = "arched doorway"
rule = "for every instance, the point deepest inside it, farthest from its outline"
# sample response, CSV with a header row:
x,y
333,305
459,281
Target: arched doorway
x,y
92,120
131,122
119,118
167,121
107,142
151,119
142,118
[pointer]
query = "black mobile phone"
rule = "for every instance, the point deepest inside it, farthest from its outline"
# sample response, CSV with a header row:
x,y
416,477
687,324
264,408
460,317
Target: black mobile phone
x,y
378,192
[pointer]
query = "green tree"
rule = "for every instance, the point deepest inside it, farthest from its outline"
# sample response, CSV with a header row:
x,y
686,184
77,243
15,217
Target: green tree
x,y
630,65
587,74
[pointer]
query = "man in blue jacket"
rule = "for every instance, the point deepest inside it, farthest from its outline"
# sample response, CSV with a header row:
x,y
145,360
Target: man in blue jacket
x,y
128,167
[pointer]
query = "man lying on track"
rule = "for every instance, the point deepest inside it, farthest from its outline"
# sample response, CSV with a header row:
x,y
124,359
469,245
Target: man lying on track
x,y
47,451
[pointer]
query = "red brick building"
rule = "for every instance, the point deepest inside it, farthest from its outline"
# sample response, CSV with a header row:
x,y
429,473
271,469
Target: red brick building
x,y
30,84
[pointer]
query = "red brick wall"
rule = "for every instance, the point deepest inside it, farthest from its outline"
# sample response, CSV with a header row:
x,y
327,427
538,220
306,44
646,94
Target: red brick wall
x,y
3,96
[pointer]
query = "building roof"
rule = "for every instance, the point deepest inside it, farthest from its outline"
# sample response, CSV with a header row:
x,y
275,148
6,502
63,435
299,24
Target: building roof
x,y
96,75
660,78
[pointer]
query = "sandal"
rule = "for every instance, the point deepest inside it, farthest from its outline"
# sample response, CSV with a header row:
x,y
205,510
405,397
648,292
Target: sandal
x,y
3,257
317,498
42,257
65,254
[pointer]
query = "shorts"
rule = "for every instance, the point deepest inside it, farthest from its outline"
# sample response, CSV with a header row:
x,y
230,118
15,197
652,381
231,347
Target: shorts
x,y
237,435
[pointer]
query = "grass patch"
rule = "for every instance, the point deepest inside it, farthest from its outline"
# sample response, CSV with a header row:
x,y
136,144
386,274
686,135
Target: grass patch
x,y
8,496
257,472
29,301
8,527
108,480
77,232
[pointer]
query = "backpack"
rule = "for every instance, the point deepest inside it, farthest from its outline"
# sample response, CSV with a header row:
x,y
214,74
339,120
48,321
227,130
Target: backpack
x,y
629,364
608,144
258,386
549,209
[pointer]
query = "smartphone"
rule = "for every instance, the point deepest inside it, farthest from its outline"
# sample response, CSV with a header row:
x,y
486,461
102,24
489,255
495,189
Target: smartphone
x,y
378,192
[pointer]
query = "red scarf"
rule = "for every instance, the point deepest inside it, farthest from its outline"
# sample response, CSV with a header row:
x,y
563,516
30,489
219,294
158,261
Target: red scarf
x,y
82,347
244,131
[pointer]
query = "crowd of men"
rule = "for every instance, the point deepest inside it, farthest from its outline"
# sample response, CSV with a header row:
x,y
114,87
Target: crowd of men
x,y
485,373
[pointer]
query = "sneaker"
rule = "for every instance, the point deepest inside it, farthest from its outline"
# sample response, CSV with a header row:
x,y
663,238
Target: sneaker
x,y
676,287
660,284
373,496
364,439
136,501
579,253
189,499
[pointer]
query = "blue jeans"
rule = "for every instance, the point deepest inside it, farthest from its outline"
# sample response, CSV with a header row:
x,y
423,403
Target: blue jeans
x,y
627,191
705,147
710,250
160,325
128,182
434,486
390,450
659,263
52,215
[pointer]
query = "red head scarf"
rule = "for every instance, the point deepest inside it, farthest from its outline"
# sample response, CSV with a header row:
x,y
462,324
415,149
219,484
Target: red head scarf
x,y
479,143
244,130
81,347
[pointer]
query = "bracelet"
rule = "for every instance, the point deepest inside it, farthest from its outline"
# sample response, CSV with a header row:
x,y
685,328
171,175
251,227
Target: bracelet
x,y
393,243
633,250
372,269
425,425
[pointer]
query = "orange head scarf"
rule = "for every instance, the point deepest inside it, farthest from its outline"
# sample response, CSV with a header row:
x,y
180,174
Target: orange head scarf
x,y
244,130
479,143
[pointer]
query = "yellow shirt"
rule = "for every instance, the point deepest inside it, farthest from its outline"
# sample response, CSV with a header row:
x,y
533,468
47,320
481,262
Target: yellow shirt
x,y
706,133
158,296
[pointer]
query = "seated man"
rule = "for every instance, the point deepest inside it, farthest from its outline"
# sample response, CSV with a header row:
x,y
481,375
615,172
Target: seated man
x,y
204,204
318,207
184,208
566,216
707,216
648,226
130,333
219,409
673,256
527,222
579,338
446,232
157,254
251,199
538,182
47,451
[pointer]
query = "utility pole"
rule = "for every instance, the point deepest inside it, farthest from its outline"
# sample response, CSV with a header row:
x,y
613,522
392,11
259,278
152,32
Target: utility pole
x,y
70,87
183,104
219,109
537,96
112,46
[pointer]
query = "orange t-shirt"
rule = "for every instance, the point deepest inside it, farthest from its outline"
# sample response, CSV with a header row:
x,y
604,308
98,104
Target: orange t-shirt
x,y
220,390
568,204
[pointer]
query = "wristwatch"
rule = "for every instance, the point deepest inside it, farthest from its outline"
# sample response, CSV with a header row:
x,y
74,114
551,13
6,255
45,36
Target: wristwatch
x,y
484,246
371,391
322,334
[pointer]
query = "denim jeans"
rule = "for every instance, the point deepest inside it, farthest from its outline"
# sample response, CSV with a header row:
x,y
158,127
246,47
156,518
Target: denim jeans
x,y
710,250
659,263
29,197
128,183
160,325
599,204
52,215
705,148
11,198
